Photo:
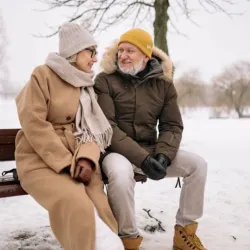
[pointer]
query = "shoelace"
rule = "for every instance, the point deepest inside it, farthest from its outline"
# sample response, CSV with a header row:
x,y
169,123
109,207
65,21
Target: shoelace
x,y
189,241
193,242
197,241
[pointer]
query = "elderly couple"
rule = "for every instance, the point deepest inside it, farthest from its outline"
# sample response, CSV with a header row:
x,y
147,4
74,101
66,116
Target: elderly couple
x,y
73,127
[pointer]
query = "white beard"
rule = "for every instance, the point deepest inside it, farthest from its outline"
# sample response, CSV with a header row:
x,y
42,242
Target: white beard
x,y
132,70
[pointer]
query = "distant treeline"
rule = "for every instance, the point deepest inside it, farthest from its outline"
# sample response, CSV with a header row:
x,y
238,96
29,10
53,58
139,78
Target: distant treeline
x,y
228,91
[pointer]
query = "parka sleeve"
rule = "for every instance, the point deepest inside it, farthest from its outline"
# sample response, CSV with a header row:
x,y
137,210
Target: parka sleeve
x,y
32,112
170,125
121,142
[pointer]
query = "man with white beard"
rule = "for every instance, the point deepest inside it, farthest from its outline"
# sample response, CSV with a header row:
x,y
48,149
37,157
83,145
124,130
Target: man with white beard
x,y
137,94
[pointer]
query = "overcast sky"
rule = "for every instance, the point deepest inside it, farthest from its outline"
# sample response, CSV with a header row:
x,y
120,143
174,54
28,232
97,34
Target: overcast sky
x,y
218,42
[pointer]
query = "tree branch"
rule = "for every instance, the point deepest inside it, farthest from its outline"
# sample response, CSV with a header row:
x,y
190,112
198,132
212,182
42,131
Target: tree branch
x,y
152,229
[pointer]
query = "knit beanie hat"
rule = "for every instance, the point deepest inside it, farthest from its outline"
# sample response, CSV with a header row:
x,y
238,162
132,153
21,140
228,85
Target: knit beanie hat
x,y
73,38
140,38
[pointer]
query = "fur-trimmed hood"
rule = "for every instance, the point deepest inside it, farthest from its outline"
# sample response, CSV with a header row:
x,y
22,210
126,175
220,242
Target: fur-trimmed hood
x,y
108,62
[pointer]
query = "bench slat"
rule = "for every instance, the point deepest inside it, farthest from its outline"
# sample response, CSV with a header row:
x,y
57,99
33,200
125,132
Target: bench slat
x,y
5,133
7,144
11,189
7,152
7,139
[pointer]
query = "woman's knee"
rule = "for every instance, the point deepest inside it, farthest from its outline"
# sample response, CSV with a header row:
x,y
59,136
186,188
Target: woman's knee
x,y
74,203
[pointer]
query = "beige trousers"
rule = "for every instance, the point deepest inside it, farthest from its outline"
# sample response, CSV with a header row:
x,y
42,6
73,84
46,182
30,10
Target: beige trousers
x,y
120,173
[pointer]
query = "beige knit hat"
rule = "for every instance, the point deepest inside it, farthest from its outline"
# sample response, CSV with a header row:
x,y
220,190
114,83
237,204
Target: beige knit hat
x,y
73,38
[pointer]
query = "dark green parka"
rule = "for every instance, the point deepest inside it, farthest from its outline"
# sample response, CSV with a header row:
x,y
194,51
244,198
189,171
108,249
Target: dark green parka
x,y
135,106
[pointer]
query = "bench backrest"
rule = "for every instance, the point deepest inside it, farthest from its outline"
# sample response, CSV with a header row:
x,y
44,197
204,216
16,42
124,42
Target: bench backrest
x,y
10,187
7,144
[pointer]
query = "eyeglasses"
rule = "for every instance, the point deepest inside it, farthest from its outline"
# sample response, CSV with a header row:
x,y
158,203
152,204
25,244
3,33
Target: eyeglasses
x,y
93,52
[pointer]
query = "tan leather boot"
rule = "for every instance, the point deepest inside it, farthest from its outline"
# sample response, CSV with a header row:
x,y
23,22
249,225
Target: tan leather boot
x,y
186,238
132,243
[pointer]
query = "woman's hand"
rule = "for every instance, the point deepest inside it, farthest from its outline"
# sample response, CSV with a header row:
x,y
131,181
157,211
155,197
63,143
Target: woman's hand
x,y
83,171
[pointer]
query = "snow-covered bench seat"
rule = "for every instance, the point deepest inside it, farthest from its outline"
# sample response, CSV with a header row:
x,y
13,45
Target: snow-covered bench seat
x,y
9,185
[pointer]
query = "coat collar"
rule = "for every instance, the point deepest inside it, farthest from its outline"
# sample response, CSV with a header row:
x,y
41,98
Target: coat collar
x,y
109,65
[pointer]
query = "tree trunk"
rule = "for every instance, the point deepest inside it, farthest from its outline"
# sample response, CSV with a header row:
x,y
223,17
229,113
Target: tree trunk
x,y
239,112
160,24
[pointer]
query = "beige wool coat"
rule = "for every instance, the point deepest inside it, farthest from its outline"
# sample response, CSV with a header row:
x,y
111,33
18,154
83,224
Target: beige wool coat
x,y
45,145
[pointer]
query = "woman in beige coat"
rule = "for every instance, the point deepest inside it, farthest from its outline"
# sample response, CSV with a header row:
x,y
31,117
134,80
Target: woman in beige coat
x,y
63,132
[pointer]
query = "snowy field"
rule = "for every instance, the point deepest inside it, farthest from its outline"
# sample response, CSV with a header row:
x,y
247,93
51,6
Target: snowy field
x,y
225,144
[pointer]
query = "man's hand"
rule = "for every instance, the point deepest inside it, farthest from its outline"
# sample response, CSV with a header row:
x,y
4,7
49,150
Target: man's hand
x,y
153,169
163,160
83,171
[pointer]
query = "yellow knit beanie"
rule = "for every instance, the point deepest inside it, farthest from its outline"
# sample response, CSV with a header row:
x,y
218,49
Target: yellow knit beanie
x,y
140,38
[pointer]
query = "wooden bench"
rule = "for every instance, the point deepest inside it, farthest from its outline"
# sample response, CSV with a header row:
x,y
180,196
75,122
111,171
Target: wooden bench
x,y
8,185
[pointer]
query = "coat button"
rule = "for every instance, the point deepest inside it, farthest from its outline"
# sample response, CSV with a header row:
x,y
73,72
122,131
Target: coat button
x,y
68,118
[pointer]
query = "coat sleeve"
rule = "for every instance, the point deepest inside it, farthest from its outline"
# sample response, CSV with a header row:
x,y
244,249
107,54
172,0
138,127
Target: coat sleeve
x,y
90,151
32,107
170,125
121,142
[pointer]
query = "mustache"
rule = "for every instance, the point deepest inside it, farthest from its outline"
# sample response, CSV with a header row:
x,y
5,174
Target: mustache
x,y
125,61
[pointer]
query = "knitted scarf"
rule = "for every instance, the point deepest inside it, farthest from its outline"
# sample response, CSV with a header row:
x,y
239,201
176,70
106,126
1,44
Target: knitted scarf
x,y
90,123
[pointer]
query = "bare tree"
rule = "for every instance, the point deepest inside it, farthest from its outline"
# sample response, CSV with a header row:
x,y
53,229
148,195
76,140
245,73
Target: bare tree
x,y
191,90
101,14
4,72
232,88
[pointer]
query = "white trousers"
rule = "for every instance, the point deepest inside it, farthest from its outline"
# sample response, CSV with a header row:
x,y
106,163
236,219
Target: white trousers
x,y
120,173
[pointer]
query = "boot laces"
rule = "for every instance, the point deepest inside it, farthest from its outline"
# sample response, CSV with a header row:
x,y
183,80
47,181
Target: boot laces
x,y
193,242
197,242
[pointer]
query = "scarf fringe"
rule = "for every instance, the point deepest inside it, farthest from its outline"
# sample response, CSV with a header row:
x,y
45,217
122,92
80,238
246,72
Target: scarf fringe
x,y
103,140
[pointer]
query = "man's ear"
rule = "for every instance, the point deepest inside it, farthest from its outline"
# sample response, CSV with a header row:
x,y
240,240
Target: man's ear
x,y
146,59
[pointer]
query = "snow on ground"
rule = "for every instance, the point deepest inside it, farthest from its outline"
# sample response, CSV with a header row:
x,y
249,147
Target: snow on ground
x,y
225,144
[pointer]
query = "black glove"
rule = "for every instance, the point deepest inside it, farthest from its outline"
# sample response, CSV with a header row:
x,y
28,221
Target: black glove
x,y
153,169
163,160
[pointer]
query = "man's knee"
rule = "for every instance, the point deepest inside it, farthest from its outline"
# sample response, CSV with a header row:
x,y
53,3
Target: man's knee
x,y
191,163
118,169
199,165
